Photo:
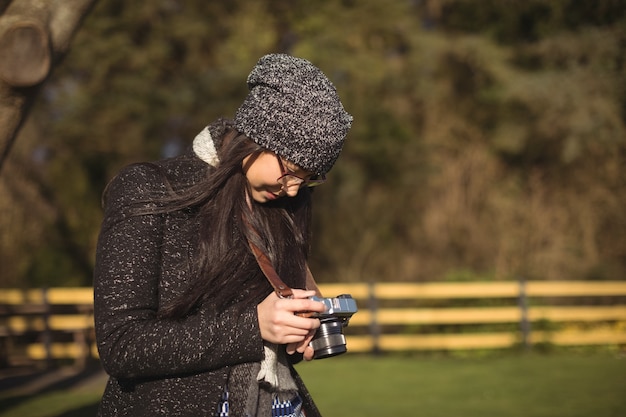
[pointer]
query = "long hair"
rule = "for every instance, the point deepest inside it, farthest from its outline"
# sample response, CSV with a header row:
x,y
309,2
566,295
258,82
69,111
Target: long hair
x,y
224,271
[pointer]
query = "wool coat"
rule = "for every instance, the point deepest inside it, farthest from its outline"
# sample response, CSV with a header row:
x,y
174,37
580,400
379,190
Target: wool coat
x,y
162,367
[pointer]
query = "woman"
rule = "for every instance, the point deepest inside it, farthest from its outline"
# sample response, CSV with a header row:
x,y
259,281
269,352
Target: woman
x,y
186,322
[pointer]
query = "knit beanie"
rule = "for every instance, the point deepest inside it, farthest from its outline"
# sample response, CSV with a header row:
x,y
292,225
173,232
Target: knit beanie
x,y
293,110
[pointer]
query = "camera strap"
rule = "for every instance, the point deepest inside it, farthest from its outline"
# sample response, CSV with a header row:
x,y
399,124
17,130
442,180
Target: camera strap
x,y
270,273
281,289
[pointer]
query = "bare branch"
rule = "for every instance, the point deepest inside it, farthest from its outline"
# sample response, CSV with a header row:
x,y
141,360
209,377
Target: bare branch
x,y
34,37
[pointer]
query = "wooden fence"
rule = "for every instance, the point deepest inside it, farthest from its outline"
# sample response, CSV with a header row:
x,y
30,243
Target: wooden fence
x,y
57,323
485,315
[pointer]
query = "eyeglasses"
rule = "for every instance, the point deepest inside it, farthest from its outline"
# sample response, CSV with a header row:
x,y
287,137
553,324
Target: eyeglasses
x,y
289,179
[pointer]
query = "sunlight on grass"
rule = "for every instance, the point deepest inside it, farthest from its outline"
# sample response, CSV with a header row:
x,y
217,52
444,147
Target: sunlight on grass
x,y
518,386
563,385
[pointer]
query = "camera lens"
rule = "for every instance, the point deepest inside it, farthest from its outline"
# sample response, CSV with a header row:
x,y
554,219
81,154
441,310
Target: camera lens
x,y
329,339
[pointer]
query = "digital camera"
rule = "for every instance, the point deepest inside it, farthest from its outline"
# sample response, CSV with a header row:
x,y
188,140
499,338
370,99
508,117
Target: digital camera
x,y
329,339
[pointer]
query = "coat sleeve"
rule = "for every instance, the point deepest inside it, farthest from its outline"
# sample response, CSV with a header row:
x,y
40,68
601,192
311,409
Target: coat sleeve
x,y
132,341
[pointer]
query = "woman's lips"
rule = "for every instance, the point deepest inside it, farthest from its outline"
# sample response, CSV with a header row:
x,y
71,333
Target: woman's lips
x,y
272,196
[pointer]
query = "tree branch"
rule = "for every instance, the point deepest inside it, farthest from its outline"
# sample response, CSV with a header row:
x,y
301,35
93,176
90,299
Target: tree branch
x,y
34,36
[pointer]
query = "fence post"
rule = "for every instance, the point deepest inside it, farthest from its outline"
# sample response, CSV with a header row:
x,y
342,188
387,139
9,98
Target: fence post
x,y
524,321
374,327
47,334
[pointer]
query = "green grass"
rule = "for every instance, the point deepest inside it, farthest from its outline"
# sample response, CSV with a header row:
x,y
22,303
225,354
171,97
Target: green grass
x,y
563,385
510,386
56,404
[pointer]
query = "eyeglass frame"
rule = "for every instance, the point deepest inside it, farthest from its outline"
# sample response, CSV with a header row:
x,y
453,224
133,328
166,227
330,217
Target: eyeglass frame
x,y
286,176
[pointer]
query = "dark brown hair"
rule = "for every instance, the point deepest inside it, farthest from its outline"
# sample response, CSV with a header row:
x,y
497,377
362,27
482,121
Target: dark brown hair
x,y
224,271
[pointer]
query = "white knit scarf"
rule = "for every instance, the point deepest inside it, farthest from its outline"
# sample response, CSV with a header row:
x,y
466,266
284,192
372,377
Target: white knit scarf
x,y
204,147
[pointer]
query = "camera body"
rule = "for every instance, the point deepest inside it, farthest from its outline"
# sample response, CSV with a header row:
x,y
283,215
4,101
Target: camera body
x,y
329,339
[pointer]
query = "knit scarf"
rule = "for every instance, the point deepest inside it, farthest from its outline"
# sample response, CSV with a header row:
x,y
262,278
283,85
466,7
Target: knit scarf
x,y
253,386
205,148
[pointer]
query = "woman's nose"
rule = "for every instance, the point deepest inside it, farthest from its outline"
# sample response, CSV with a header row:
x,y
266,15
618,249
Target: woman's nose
x,y
292,190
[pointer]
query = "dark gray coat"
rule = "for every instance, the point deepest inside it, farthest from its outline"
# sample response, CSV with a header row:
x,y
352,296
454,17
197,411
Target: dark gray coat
x,y
162,367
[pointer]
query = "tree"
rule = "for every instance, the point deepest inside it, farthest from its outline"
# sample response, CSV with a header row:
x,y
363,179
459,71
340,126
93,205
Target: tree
x,y
482,146
34,36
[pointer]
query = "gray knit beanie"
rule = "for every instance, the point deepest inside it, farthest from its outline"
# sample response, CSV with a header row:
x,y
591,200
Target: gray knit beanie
x,y
294,110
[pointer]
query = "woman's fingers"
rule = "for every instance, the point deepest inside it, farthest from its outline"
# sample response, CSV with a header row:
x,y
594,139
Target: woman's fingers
x,y
300,304
278,320
308,353
302,347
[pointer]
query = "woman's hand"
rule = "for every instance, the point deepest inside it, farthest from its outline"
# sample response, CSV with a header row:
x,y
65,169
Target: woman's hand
x,y
279,324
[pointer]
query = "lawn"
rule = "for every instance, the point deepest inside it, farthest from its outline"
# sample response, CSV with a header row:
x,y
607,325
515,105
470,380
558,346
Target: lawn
x,y
564,385
510,386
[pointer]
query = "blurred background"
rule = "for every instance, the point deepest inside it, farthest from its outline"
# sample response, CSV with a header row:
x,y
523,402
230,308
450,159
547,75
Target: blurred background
x,y
489,137
488,150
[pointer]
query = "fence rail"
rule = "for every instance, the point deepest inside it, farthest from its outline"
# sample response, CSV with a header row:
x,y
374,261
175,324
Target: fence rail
x,y
57,323
565,313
